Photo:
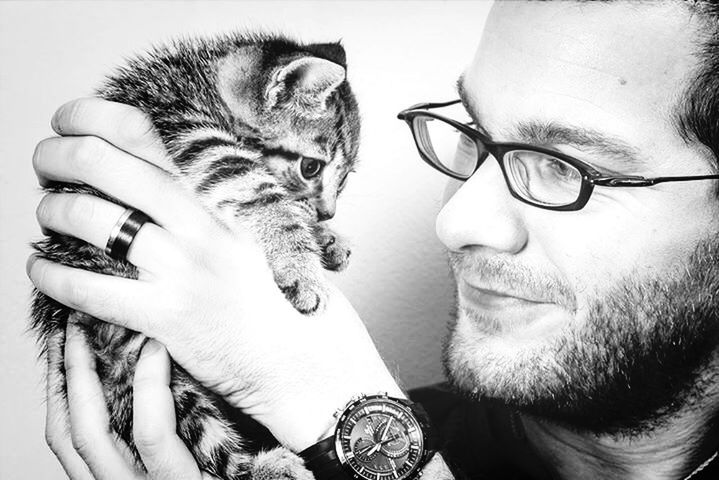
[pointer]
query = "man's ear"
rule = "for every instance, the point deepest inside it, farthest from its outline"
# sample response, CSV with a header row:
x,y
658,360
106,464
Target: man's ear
x,y
307,82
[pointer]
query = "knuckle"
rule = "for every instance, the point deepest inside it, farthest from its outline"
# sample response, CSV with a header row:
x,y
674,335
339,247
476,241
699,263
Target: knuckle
x,y
51,439
81,442
180,259
147,439
137,127
86,154
80,210
75,295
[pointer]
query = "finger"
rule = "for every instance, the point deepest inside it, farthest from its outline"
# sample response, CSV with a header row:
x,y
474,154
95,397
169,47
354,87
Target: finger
x,y
92,161
154,426
89,418
125,302
125,127
57,420
93,219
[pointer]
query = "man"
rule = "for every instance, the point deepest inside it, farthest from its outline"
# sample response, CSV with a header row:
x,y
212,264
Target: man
x,y
586,333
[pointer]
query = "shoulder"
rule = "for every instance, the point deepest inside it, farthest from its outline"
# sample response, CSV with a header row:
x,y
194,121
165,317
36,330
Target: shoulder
x,y
461,426
450,413
478,439
454,415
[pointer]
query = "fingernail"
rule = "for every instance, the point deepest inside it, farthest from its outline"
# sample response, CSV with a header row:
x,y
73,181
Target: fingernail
x,y
72,328
83,319
151,347
54,120
30,261
73,333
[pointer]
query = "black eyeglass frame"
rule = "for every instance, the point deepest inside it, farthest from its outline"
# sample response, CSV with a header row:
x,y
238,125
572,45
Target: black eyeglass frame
x,y
590,176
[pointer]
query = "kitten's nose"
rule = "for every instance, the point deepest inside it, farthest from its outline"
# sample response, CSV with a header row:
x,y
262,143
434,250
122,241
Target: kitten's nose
x,y
325,214
325,207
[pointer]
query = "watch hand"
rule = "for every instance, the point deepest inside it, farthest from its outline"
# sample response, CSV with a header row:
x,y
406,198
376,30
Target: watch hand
x,y
390,439
386,429
374,449
367,449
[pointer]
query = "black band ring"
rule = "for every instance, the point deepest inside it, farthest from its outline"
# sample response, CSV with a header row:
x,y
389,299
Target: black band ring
x,y
124,232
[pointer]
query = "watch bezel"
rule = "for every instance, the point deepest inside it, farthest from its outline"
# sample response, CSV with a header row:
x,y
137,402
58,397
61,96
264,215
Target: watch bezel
x,y
401,404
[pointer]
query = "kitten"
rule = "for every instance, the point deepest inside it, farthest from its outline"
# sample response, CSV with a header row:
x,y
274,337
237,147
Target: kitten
x,y
264,131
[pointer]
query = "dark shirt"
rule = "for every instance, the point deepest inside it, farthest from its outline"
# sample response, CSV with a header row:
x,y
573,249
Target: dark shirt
x,y
482,440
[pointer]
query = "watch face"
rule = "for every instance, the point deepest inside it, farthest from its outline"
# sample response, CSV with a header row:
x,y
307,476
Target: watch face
x,y
380,439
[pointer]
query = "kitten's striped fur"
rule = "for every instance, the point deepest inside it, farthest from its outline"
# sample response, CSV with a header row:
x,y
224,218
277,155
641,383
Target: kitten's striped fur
x,y
242,117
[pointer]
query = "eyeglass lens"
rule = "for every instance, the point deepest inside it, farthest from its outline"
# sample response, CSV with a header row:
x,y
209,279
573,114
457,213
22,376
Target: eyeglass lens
x,y
446,146
537,177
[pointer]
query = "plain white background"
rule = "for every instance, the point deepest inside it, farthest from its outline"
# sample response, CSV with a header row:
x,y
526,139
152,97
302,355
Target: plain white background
x,y
399,53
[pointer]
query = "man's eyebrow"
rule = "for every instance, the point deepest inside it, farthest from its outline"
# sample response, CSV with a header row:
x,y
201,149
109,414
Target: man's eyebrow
x,y
553,133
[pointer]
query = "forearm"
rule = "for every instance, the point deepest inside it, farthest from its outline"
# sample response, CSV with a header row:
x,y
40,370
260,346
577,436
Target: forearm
x,y
315,418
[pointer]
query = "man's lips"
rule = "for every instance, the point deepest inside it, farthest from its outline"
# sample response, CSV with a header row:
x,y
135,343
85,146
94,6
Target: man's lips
x,y
493,298
509,312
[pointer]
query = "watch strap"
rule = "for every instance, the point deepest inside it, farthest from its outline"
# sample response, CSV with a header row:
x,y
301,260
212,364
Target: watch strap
x,y
321,459
430,434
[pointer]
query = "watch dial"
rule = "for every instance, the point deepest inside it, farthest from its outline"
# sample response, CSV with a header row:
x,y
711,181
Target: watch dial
x,y
380,439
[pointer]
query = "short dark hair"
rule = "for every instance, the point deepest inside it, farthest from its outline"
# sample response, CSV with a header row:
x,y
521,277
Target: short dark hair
x,y
697,113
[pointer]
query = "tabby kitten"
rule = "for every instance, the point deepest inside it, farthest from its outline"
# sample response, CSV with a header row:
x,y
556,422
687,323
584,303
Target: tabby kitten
x,y
264,131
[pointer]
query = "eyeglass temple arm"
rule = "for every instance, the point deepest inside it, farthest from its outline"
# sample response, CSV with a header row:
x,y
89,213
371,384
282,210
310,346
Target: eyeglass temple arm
x,y
425,106
643,182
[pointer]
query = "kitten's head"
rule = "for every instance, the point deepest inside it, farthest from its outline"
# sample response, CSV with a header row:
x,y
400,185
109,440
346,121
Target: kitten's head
x,y
296,100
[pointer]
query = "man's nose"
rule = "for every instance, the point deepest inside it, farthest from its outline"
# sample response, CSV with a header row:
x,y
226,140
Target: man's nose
x,y
483,213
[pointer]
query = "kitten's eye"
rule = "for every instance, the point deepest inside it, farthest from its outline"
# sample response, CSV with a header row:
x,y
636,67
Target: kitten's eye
x,y
311,167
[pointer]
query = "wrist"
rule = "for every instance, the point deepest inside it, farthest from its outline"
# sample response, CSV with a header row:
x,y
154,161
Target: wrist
x,y
374,432
306,422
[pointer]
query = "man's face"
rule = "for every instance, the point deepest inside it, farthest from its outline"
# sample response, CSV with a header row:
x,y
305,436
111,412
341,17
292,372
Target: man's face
x,y
546,299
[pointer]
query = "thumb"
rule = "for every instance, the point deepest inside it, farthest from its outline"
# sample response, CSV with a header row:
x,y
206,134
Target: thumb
x,y
164,454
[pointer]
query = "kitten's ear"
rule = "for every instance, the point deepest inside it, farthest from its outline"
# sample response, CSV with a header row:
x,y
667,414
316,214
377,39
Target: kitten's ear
x,y
333,52
306,81
238,82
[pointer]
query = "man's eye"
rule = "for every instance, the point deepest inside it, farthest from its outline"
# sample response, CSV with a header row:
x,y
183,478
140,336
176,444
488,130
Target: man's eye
x,y
310,167
559,169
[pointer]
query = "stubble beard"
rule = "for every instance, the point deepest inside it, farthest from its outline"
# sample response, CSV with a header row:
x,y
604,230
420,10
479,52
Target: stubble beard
x,y
648,348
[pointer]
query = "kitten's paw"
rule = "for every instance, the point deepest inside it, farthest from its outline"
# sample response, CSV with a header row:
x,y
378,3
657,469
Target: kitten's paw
x,y
303,290
279,464
335,252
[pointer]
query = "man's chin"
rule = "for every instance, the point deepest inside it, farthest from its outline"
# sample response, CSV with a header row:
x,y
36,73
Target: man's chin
x,y
510,358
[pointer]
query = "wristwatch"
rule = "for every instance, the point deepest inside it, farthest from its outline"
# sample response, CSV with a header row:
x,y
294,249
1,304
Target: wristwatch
x,y
377,437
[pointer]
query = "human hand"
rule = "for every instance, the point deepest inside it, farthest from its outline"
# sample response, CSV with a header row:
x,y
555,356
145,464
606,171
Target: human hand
x,y
207,294
77,425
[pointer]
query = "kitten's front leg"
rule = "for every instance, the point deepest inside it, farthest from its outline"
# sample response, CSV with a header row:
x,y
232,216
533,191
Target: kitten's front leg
x,y
282,228
335,250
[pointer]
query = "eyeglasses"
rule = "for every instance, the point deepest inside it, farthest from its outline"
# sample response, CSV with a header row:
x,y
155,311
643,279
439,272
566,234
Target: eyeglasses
x,y
538,176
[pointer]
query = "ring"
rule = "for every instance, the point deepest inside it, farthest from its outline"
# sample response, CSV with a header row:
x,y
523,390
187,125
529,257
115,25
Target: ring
x,y
124,232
